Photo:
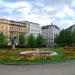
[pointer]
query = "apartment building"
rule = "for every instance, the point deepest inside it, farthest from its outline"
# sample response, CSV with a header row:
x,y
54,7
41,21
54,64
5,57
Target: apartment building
x,y
72,28
12,28
32,28
49,32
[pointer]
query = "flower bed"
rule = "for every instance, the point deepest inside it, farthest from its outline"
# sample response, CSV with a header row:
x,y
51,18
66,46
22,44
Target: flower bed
x,y
69,47
69,53
21,57
14,56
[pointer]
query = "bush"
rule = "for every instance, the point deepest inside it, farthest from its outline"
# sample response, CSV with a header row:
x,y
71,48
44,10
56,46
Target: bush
x,y
3,40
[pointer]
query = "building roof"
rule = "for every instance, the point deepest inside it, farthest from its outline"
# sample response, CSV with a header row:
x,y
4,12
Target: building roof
x,y
71,26
29,22
12,22
46,27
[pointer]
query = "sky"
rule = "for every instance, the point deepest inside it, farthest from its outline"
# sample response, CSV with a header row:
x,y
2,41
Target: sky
x,y
59,12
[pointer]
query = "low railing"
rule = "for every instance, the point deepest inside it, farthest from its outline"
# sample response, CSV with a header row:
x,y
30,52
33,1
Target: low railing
x,y
69,52
27,49
69,47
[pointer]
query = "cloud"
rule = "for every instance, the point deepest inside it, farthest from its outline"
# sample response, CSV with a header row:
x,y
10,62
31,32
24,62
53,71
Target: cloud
x,y
60,15
49,9
20,4
54,2
42,19
64,23
60,12
66,11
12,9
9,7
24,8
73,3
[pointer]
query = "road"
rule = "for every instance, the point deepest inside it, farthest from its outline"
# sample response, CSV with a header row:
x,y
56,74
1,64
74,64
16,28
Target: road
x,y
64,68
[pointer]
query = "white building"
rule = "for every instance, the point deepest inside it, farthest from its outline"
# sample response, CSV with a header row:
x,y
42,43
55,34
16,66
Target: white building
x,y
49,32
33,28
72,28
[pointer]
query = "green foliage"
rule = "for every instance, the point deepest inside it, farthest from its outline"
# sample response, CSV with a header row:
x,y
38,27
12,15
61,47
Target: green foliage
x,y
21,40
56,39
64,38
31,41
3,40
40,41
73,37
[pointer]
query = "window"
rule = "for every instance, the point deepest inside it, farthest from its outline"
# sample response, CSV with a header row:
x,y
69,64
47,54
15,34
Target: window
x,y
11,28
19,28
6,27
1,27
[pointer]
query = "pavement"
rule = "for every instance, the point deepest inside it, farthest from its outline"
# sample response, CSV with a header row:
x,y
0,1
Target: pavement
x,y
63,68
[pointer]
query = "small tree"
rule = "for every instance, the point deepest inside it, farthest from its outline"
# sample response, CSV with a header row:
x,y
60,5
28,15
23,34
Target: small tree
x,y
3,40
56,39
21,39
31,41
40,41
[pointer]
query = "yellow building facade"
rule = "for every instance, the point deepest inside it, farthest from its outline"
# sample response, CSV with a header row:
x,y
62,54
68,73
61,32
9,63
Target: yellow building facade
x,y
12,28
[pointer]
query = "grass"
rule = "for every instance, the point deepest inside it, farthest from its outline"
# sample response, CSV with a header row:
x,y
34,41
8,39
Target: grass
x,y
60,55
15,62
23,62
3,51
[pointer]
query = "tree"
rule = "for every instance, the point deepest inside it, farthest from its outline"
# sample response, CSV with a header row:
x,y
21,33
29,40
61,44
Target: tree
x,y
31,41
3,40
73,37
64,38
56,39
21,39
40,41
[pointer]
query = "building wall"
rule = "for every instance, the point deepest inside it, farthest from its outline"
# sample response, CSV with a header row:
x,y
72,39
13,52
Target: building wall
x,y
49,34
33,28
12,28
4,27
72,28
15,30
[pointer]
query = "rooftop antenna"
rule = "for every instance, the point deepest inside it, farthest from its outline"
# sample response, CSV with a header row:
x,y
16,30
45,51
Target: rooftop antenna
x,y
52,20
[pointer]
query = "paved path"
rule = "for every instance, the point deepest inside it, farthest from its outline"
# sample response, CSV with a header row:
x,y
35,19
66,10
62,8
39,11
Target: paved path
x,y
67,68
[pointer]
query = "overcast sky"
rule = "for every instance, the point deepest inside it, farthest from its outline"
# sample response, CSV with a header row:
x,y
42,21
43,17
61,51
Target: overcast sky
x,y
59,12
